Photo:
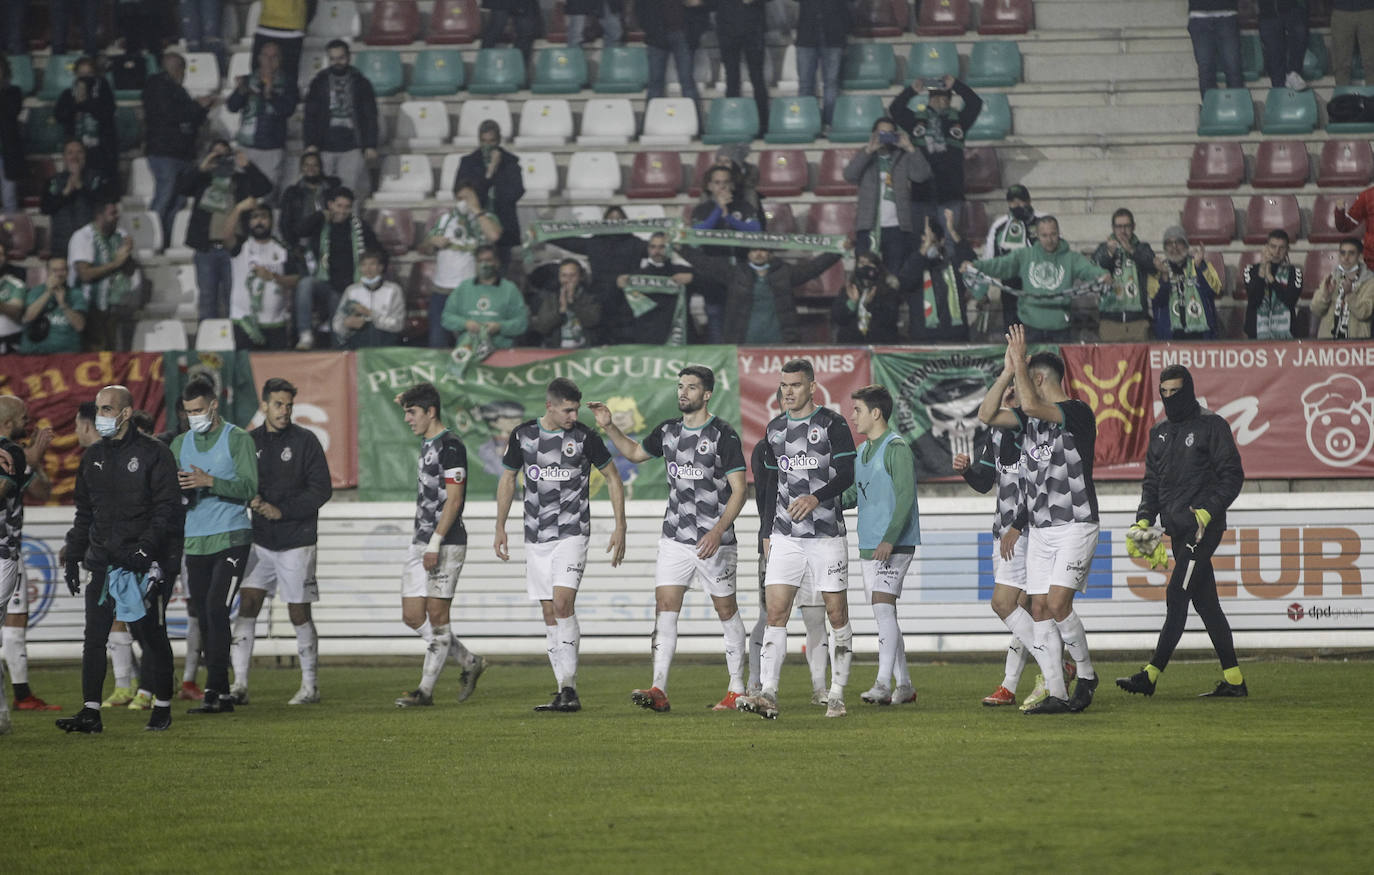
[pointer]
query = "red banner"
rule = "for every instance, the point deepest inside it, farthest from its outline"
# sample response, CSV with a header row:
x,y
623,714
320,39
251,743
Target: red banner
x,y
326,403
839,371
54,386
1114,380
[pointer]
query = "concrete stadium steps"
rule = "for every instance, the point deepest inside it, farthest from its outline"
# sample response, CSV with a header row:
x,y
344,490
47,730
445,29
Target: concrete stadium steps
x,y
1123,15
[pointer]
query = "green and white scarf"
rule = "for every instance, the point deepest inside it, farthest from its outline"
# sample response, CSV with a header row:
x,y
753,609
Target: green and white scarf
x,y
762,240
1124,295
355,240
1186,310
951,297
539,232
218,197
114,290
1274,321
1012,236
639,288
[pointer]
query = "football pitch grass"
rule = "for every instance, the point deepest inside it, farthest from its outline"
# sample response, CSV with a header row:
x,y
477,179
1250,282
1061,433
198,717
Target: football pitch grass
x,y
1279,782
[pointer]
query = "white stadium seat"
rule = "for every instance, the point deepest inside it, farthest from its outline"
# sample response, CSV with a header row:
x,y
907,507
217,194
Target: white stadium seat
x,y
176,244
447,174
593,176
215,334
202,74
159,335
669,121
421,124
474,112
545,122
146,230
312,62
141,183
787,82
334,19
540,175
240,64
250,23
173,291
607,121
405,178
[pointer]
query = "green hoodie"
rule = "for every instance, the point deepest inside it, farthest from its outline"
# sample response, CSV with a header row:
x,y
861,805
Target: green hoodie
x,y
1043,273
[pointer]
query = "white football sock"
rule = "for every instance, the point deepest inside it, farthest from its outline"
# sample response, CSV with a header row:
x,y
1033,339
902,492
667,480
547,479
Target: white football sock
x,y
734,651
241,650
121,647
425,631
1021,625
459,654
1076,642
1017,657
436,654
816,643
569,643
308,648
665,645
555,661
1046,651
841,655
901,674
16,652
888,637
756,648
188,672
770,660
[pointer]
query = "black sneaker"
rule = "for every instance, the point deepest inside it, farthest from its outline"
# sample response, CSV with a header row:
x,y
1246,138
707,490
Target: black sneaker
x,y
1227,691
1082,694
1051,705
213,703
86,720
569,701
1137,683
555,705
161,719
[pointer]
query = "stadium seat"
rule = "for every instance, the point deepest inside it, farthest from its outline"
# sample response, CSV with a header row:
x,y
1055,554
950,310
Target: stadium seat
x,y
215,334
559,70
176,244
128,128
782,172
731,120
793,120
202,74
975,222
146,230
474,112
405,178
1317,266
623,70
778,218
1336,128
1218,263
394,227
58,76
497,71
19,235
1209,219
878,18
313,61
645,211
1226,112
1266,212
421,124
697,182
1323,228
1251,59
866,66
454,22
393,23
669,121
994,62
42,133
240,64
854,117
159,335
1004,17
333,19
1316,62
932,60
31,186
607,121
1280,165
436,73
830,181
1247,258
383,69
831,217
545,122
250,24
539,173
1289,112
827,285
942,18
448,172
787,82
1345,163
656,174
141,184
982,172
593,176
994,122
556,23
22,75
1217,166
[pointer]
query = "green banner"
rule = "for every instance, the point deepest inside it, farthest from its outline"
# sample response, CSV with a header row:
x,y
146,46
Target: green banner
x,y
483,403
232,372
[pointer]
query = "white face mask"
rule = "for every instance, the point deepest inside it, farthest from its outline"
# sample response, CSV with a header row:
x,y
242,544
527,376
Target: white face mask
x,y
106,426
372,281
463,208
200,422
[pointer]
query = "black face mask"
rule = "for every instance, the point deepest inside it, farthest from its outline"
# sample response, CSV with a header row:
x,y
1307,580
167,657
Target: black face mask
x,y
259,232
868,273
1023,214
1182,404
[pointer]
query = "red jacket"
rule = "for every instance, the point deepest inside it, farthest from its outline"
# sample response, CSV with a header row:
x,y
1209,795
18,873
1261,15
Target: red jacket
x,y
1362,210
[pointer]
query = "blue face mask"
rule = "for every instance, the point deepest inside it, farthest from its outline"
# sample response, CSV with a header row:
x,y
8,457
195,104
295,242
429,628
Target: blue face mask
x,y
106,426
759,268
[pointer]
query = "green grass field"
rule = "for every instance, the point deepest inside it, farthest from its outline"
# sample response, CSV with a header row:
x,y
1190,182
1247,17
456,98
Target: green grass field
x,y
1280,782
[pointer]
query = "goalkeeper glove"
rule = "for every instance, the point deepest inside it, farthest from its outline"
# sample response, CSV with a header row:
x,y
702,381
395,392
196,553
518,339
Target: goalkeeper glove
x,y
1204,518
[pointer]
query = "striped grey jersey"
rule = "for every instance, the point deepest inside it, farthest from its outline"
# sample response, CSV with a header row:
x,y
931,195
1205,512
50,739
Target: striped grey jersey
x,y
1004,453
12,511
443,460
696,461
804,451
1059,466
557,467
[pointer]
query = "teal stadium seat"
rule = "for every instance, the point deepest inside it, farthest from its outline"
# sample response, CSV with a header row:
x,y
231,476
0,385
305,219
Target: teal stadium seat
x,y
623,70
1251,58
1226,112
42,133
994,122
559,70
1289,112
994,63
731,120
1365,91
868,66
383,69
932,60
22,75
498,71
58,76
854,117
793,120
436,73
128,128
1316,63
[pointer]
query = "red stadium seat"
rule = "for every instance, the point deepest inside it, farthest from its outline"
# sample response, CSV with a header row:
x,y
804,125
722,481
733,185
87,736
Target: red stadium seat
x,y
942,18
1001,17
394,23
1209,219
31,188
880,18
1219,264
697,182
1318,265
982,172
454,22
975,224
1281,164
783,172
1217,165
395,229
834,217
18,235
827,285
1248,257
1323,220
655,175
1269,211
1345,163
779,218
830,181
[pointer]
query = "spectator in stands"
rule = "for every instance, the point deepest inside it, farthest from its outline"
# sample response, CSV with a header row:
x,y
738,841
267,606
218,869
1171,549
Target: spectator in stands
x,y
454,241
938,130
71,197
266,98
12,301
655,325
735,157
485,312
101,260
1124,311
1283,36
885,170
8,267
568,317
740,29
172,119
500,184
608,257
1214,26
13,167
1184,303
86,112
1352,23
722,208
62,12
607,11
265,274
822,26
1008,233
304,199
200,27
523,14
1348,219
54,315
372,311
1273,286
670,30
223,180
759,306
283,22
341,120
1344,302
870,310
338,239
936,296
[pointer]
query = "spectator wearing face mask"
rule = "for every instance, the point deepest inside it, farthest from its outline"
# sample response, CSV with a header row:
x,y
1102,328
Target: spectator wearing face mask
x,y
759,304
870,310
1008,233
1344,302
500,184
885,170
222,181
338,239
655,324
937,300
86,112
454,241
608,257
486,312
372,311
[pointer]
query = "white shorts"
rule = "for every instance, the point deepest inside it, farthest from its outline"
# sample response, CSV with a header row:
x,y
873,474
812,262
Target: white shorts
x,y
1010,572
14,589
820,564
290,571
1060,556
679,565
417,583
554,563
886,577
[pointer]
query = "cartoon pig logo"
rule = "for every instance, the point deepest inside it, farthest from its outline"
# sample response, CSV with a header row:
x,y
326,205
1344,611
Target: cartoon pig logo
x,y
1340,421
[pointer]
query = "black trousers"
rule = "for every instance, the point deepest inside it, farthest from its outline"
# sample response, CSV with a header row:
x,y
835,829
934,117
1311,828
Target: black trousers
x,y
1202,592
150,633
732,45
157,667
212,581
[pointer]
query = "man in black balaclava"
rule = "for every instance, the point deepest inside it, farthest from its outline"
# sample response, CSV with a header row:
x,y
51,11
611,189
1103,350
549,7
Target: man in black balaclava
x,y
1192,474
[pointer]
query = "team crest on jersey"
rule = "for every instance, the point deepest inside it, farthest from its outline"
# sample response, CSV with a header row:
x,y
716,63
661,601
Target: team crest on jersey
x,y
549,472
1045,275
286,454
814,435
798,463
570,448
1040,452
685,472
704,446
133,466
484,304
1188,441
956,133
